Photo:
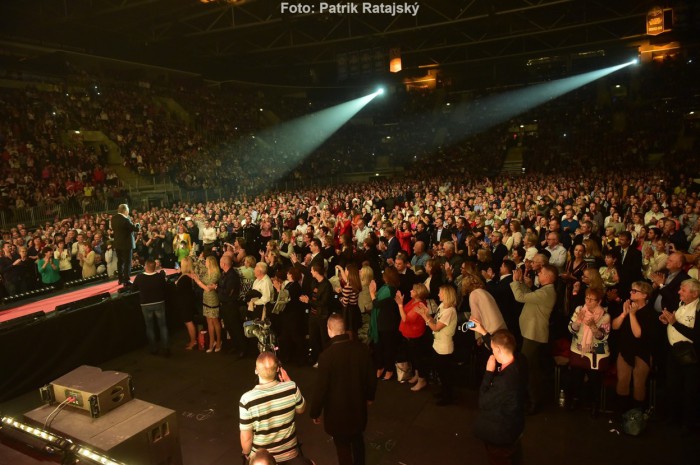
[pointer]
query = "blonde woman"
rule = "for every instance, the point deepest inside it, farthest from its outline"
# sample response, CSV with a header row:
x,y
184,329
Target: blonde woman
x,y
364,301
210,302
443,326
186,300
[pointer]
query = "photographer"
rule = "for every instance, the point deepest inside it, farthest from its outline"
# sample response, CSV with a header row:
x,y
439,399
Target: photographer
x,y
267,413
501,420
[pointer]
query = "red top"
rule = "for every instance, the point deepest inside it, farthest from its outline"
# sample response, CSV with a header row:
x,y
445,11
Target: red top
x,y
414,326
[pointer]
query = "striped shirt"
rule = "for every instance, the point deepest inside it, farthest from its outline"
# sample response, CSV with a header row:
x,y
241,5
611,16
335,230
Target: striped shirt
x,y
269,412
349,296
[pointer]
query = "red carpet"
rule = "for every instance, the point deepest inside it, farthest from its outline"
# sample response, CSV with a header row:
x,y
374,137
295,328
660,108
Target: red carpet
x,y
50,303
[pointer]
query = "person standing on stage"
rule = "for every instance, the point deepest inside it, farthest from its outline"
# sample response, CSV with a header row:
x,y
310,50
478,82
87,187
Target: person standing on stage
x,y
345,386
124,242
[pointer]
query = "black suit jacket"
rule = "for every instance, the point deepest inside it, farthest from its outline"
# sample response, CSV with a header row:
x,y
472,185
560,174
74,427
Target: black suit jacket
x,y
123,229
630,269
406,282
670,300
499,253
445,233
344,384
392,248
510,308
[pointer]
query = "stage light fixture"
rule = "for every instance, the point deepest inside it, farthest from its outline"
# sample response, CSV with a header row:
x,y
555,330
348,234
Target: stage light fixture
x,y
36,438
93,457
380,91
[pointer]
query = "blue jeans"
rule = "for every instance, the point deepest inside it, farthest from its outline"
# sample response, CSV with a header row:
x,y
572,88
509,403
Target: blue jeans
x,y
156,310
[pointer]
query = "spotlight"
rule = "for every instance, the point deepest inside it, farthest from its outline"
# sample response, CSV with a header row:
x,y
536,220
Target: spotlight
x,y
380,91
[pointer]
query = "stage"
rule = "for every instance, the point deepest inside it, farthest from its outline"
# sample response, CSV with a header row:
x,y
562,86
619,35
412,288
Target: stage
x,y
43,339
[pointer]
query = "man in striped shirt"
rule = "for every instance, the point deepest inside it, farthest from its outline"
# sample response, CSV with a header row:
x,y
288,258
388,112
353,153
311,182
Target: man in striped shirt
x,y
267,413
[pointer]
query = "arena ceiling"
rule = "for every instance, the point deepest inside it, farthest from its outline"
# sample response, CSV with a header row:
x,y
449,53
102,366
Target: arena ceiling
x,y
258,40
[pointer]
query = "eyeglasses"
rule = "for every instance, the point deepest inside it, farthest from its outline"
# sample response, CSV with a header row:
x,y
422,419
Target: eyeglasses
x,y
592,299
635,291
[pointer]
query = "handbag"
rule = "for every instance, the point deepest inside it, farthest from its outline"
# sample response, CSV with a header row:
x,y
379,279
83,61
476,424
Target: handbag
x,y
634,422
684,353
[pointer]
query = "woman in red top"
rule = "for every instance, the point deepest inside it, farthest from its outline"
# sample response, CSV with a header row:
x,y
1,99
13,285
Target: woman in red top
x,y
405,235
416,339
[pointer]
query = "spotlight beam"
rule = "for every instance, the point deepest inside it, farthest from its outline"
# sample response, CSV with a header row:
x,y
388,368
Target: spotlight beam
x,y
293,141
482,114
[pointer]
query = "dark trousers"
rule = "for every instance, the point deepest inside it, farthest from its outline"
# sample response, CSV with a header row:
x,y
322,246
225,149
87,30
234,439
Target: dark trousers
x,y
318,335
124,257
233,324
532,350
444,365
417,351
292,339
683,385
350,449
387,350
579,369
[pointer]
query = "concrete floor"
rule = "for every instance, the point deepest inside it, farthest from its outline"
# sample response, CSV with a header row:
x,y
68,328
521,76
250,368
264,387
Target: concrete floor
x,y
405,428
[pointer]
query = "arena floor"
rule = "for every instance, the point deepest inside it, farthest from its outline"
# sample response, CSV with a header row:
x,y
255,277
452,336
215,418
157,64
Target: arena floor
x,y
405,428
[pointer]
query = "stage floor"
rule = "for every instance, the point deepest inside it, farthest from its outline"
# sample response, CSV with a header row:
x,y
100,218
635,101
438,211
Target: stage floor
x,y
48,304
405,427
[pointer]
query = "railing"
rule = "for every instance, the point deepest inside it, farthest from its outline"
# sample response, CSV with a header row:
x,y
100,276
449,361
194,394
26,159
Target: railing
x,y
143,200
49,213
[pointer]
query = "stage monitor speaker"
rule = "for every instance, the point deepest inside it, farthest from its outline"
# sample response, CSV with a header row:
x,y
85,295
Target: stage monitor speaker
x,y
86,302
94,390
136,433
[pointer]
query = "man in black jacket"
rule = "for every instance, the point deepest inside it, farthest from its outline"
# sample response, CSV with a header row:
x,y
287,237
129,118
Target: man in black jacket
x,y
630,264
228,289
320,302
152,288
124,243
510,308
345,386
501,419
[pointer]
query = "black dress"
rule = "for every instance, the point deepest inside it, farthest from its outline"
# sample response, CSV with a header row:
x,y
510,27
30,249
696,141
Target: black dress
x,y
185,299
630,346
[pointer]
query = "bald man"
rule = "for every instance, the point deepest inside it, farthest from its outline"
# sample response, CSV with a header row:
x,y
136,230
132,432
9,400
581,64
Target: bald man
x,y
345,386
267,413
228,289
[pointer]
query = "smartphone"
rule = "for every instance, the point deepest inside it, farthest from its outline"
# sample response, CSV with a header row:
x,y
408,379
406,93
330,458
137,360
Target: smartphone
x,y
471,324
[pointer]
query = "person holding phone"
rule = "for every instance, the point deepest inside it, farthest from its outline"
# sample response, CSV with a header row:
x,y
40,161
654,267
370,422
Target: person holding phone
x,y
502,397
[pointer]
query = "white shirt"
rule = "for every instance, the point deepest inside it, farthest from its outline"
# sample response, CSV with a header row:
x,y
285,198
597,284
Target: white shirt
x,y
557,256
208,235
361,235
443,342
265,287
685,315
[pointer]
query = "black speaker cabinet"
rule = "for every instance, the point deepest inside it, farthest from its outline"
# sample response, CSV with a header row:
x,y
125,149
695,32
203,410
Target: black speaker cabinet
x,y
135,433
94,390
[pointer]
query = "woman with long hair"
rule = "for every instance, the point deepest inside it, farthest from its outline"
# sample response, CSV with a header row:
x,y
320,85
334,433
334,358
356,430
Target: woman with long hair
x,y
443,326
349,296
384,330
186,300
573,273
210,302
